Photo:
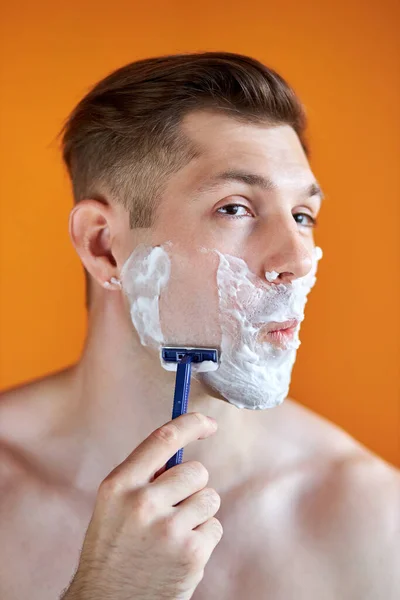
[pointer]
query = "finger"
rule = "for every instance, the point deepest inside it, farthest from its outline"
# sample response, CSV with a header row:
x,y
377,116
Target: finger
x,y
180,482
210,534
197,509
152,454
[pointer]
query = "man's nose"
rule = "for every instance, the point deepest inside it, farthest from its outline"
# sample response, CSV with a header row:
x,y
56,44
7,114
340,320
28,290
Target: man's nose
x,y
287,256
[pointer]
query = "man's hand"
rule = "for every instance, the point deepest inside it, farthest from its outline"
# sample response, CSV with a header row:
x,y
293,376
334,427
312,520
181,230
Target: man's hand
x,y
151,536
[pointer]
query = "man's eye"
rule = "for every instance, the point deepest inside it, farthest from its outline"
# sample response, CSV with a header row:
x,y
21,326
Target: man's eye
x,y
305,220
234,210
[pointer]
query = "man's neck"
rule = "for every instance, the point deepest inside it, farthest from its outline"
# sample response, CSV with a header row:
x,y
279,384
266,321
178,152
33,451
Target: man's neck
x,y
119,394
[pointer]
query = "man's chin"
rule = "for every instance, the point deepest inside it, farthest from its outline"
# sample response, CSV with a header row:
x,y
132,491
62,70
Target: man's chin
x,y
209,389
254,378
242,395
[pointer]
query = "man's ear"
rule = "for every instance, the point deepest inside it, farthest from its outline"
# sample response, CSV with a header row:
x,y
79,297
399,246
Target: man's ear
x,y
91,232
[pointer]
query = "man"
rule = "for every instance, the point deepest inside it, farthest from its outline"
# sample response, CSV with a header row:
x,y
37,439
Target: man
x,y
203,158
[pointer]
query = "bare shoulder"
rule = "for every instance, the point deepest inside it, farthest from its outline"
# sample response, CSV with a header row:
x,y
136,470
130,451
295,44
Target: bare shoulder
x,y
356,508
30,410
347,474
360,493
350,505
368,497
29,421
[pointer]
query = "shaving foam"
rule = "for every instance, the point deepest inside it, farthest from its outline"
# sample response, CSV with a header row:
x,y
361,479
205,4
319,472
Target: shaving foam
x,y
144,278
271,276
253,372
144,275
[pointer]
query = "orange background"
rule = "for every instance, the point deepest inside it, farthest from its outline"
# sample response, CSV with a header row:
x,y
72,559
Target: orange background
x,y
343,59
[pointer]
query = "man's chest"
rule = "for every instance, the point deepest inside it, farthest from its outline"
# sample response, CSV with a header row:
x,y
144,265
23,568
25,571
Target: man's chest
x,y
261,554
41,538
40,567
262,557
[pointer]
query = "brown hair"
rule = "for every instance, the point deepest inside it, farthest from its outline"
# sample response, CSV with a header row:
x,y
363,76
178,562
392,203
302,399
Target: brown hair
x,y
123,140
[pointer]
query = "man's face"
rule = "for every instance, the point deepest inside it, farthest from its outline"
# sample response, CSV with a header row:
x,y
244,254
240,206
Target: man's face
x,y
251,195
237,218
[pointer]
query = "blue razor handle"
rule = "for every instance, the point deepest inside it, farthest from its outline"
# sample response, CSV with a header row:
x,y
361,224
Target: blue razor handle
x,y
181,396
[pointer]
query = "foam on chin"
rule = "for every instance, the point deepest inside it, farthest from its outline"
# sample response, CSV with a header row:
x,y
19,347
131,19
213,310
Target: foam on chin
x,y
255,374
252,374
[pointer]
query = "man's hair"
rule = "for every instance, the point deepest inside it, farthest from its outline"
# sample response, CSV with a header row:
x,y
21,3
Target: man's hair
x,y
123,140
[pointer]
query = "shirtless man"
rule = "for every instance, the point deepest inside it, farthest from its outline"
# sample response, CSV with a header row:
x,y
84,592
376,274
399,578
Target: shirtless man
x,y
306,511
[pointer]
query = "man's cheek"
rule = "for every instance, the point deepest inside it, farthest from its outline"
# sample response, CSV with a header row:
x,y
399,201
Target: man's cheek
x,y
173,296
189,305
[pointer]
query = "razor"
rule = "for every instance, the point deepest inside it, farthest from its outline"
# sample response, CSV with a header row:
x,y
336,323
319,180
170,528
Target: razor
x,y
182,359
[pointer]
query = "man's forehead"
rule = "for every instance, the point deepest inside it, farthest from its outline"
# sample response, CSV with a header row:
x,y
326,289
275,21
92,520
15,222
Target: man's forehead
x,y
264,156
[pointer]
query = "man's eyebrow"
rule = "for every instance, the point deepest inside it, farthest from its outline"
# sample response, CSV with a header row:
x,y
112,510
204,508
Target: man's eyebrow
x,y
252,179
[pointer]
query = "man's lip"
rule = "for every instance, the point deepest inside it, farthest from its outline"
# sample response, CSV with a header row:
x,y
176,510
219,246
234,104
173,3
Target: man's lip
x,y
284,325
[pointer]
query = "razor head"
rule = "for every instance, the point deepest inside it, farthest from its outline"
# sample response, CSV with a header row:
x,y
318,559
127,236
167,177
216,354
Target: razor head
x,y
203,359
199,355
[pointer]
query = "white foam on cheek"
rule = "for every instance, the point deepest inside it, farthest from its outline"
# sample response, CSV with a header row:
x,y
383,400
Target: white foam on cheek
x,y
255,374
144,275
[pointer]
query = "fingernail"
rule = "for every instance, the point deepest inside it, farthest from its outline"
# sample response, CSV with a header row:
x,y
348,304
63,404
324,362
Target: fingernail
x,y
213,421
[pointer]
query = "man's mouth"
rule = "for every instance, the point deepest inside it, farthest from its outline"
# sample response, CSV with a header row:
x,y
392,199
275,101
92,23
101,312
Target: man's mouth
x,y
279,334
